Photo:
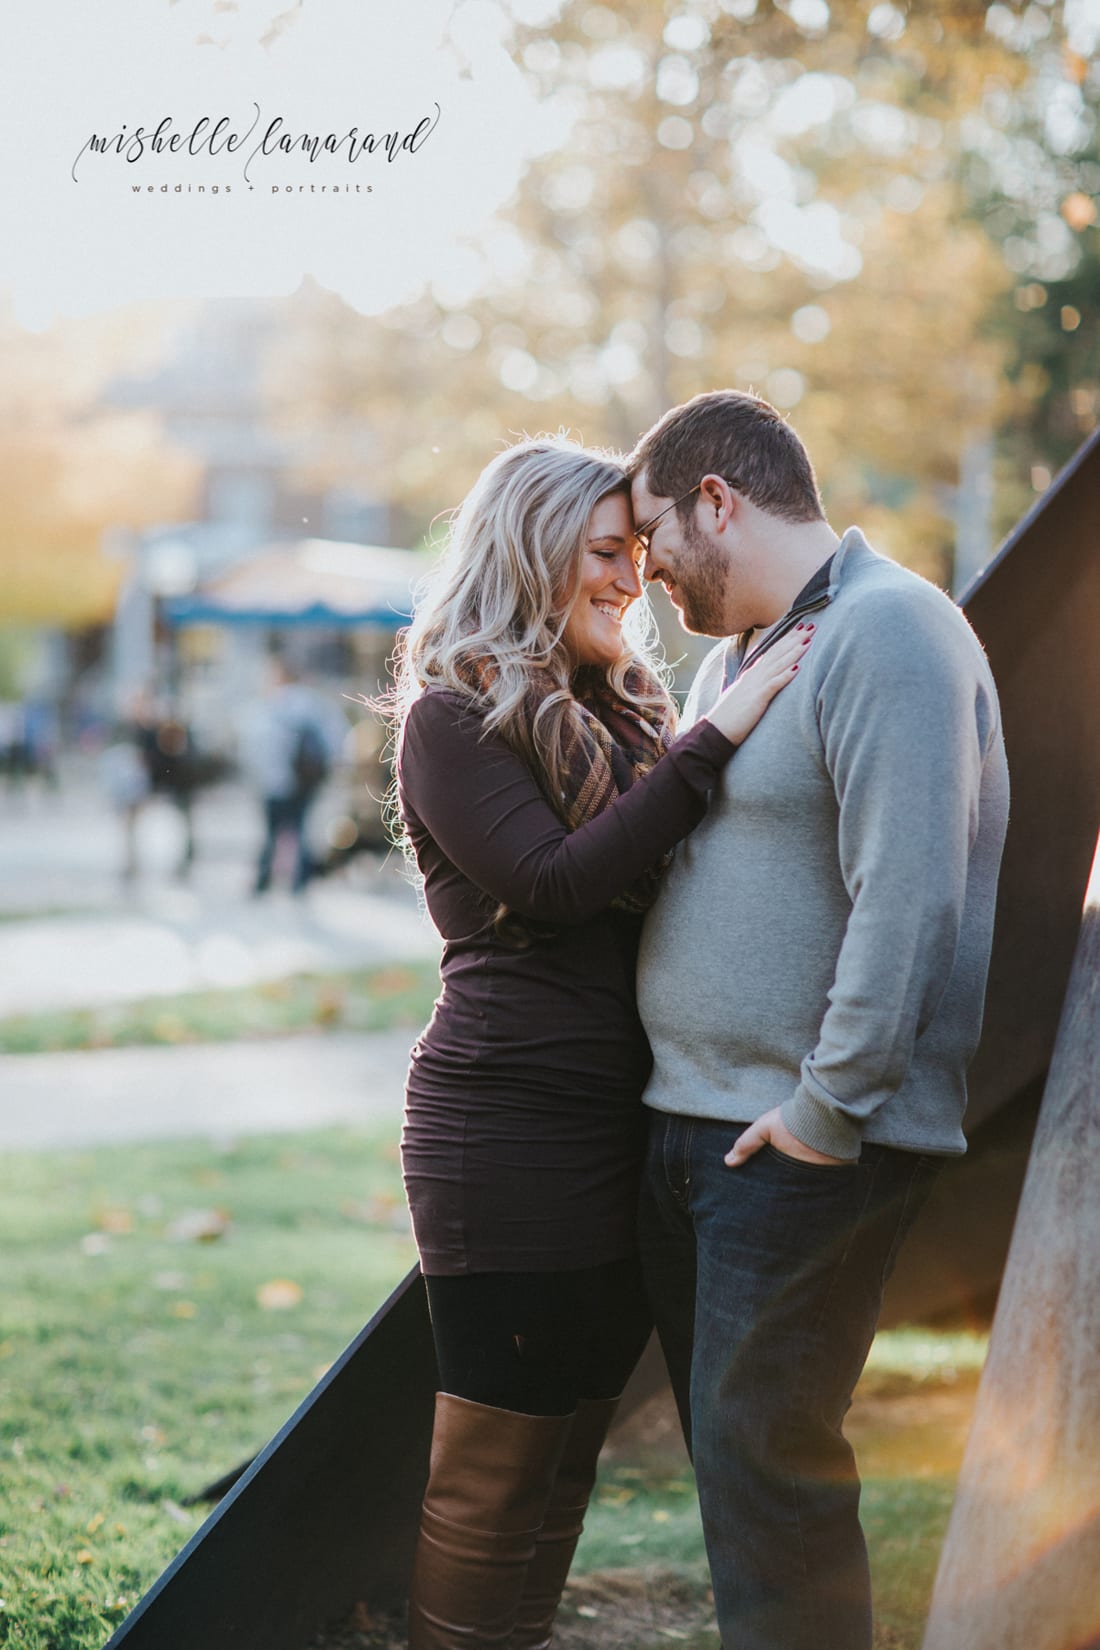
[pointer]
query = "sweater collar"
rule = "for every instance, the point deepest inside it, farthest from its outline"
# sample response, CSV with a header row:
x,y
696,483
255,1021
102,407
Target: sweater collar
x,y
818,591
852,550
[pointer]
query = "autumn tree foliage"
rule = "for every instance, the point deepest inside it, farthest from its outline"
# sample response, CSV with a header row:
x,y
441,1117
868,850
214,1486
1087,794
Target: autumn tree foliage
x,y
798,199
71,469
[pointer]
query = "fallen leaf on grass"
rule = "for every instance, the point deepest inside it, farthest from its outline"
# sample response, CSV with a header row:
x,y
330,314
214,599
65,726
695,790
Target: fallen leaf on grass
x,y
169,1028
199,1226
279,1295
209,1174
116,1221
391,982
85,1556
328,1006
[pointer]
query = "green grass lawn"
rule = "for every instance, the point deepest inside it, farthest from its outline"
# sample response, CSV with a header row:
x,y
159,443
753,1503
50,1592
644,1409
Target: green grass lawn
x,y
370,999
165,1308
139,1360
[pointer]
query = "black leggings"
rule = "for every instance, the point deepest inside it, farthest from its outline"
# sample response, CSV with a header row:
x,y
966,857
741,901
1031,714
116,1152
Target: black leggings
x,y
537,1341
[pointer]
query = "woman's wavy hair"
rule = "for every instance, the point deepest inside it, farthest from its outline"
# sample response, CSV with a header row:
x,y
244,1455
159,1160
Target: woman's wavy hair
x,y
489,621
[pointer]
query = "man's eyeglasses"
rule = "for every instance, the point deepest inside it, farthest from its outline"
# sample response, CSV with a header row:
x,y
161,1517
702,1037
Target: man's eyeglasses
x,y
644,533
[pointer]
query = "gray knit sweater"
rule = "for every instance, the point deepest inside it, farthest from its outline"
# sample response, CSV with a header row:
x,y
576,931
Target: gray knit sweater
x,y
821,942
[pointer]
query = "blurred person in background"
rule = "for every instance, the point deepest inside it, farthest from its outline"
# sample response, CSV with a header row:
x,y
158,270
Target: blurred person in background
x,y
42,737
152,753
124,773
290,741
29,734
168,751
11,741
541,790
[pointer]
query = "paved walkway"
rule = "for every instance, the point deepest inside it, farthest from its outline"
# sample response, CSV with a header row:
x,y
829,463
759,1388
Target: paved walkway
x,y
178,939
72,935
211,1090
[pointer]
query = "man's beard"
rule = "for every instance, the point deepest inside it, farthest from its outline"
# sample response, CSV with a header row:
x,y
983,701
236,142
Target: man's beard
x,y
700,574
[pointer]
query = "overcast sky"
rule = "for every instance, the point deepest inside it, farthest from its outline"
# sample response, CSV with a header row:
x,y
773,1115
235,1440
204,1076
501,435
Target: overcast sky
x,y
252,220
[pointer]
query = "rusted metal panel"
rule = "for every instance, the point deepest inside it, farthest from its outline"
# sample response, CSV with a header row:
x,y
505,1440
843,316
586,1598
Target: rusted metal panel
x,y
1037,611
1036,608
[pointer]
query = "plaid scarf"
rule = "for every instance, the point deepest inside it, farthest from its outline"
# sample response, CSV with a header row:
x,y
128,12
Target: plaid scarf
x,y
612,744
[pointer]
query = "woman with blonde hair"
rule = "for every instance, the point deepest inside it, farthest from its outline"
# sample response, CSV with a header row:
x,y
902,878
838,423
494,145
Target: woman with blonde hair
x,y
541,791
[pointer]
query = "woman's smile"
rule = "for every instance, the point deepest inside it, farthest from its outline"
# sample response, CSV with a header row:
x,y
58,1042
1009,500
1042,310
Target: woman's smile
x,y
610,581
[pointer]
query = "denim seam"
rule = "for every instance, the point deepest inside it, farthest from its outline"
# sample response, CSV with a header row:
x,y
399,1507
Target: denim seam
x,y
685,1167
666,1143
834,1273
901,1228
677,1176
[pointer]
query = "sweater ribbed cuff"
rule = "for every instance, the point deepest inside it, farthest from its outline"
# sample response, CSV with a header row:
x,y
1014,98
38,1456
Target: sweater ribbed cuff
x,y
821,1126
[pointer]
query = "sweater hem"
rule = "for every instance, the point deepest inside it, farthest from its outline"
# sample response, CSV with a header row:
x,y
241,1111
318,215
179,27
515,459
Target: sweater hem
x,y
872,1135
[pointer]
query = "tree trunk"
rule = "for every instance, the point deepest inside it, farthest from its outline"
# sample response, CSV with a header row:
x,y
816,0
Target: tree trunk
x,y
1021,1564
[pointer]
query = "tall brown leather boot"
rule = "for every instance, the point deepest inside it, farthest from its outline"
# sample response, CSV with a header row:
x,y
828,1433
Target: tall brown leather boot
x,y
490,1478
562,1525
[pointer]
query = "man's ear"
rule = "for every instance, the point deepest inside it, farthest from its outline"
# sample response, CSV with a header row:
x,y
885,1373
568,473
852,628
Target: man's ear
x,y
719,500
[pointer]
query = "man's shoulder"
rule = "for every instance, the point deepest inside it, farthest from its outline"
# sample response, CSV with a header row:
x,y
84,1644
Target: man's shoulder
x,y
890,605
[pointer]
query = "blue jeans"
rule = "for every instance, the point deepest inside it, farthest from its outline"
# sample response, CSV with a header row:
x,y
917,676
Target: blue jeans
x,y
285,813
766,1283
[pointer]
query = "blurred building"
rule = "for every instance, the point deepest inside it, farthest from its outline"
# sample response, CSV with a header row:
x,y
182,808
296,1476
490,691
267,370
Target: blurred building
x,y
213,398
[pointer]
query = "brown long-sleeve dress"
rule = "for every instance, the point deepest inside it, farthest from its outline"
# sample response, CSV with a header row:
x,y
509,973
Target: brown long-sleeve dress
x,y
524,1128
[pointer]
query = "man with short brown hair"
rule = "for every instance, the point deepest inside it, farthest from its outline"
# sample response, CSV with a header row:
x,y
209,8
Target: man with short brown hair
x,y
811,980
